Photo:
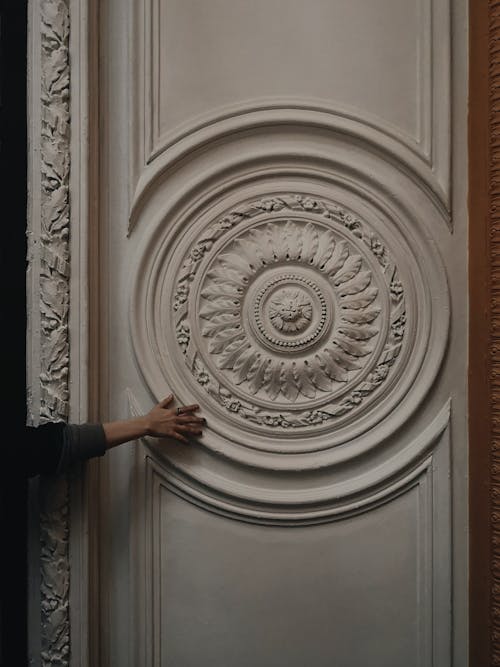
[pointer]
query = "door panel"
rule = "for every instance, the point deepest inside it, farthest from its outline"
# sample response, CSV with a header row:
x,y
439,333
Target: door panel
x,y
278,246
237,52
280,574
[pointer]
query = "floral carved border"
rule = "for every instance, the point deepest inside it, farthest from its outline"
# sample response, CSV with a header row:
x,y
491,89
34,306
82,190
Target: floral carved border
x,y
54,210
54,572
49,267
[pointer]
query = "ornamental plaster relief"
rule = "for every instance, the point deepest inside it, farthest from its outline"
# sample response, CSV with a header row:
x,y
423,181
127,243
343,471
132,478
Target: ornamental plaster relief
x,y
48,233
286,278
48,298
299,319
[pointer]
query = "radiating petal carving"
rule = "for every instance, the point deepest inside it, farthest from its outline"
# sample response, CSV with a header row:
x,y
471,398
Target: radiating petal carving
x,y
291,303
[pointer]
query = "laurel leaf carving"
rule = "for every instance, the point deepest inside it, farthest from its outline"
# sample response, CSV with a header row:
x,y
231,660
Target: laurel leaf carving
x,y
341,359
337,260
399,310
229,275
274,382
361,317
390,354
259,377
332,368
251,251
233,352
309,243
244,364
289,386
350,269
359,333
326,246
357,284
352,348
223,305
293,240
222,340
219,323
266,248
220,288
318,376
360,301
278,241
238,263
304,382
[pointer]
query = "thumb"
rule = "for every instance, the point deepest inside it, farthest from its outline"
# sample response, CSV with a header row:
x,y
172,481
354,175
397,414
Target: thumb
x,y
166,401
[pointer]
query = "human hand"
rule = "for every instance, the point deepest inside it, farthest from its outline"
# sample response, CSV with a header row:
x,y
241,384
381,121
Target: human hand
x,y
177,423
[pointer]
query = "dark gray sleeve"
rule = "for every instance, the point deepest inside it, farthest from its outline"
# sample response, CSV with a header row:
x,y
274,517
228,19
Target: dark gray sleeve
x,y
81,442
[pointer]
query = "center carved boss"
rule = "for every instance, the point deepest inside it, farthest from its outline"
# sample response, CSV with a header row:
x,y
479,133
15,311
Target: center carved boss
x,y
289,312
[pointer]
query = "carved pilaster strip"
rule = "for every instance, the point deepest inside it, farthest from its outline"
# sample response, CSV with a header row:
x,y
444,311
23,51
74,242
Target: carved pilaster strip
x,y
55,574
51,251
54,210
494,185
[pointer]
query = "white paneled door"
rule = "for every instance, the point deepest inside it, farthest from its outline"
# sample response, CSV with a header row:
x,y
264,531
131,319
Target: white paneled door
x,y
282,220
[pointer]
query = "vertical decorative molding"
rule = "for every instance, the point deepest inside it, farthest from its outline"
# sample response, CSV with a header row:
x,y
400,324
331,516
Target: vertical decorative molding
x,y
48,298
49,219
54,239
484,328
55,573
494,214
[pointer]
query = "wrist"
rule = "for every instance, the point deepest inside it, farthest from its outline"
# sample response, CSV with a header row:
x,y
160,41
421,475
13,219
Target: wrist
x,y
144,426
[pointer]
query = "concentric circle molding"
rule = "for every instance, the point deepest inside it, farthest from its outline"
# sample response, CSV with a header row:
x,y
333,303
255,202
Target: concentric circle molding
x,y
290,317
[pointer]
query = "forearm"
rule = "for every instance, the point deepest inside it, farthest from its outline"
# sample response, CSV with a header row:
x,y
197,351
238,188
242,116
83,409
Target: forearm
x,y
118,432
81,442
54,448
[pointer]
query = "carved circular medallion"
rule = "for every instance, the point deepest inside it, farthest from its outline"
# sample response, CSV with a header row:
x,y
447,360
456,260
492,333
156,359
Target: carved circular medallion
x,y
289,313
303,303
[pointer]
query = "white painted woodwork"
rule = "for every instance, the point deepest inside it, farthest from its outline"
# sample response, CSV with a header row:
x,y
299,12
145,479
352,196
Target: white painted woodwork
x,y
284,168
